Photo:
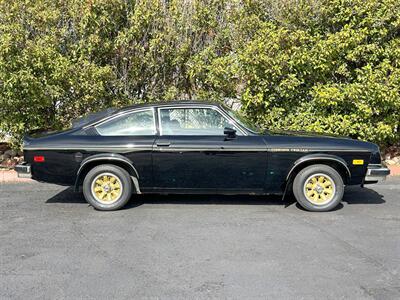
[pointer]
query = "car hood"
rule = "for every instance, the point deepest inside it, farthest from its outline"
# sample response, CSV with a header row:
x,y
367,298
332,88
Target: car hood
x,y
317,142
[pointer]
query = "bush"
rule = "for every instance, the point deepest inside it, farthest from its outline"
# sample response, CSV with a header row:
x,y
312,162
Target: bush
x,y
335,71
325,66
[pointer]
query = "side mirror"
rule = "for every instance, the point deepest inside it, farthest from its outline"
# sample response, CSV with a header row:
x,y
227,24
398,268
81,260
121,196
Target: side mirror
x,y
230,133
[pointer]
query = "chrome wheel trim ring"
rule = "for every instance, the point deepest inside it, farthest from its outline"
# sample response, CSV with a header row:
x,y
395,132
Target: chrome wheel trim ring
x,y
93,185
324,189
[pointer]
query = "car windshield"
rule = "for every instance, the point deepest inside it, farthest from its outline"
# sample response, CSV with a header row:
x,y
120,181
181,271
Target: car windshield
x,y
242,120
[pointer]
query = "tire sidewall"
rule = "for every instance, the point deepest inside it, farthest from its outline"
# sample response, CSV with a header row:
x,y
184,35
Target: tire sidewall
x,y
124,177
299,181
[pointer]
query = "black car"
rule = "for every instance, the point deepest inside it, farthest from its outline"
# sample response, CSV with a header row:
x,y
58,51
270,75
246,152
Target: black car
x,y
196,147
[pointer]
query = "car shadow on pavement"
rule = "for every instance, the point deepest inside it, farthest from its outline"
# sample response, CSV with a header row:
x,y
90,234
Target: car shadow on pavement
x,y
357,195
68,195
196,199
353,195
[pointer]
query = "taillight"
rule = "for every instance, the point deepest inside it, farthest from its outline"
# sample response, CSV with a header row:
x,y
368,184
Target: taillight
x,y
38,158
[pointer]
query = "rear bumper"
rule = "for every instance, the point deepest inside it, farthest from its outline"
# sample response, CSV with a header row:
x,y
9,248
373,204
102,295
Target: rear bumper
x,y
376,172
23,170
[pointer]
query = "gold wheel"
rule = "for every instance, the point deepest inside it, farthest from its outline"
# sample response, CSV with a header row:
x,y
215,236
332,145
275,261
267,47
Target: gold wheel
x,y
319,189
107,188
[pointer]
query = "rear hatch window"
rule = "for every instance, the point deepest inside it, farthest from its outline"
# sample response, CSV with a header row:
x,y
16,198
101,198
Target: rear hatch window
x,y
92,117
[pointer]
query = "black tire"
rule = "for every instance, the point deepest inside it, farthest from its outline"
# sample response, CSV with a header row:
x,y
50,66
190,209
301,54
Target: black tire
x,y
122,179
304,186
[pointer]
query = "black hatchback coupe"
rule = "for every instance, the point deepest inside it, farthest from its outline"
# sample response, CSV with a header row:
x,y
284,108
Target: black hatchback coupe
x,y
196,147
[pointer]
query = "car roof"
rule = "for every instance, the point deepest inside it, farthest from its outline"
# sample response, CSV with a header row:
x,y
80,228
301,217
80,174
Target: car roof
x,y
111,112
170,103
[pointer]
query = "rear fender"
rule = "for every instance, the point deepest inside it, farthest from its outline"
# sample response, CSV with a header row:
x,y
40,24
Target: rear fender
x,y
107,158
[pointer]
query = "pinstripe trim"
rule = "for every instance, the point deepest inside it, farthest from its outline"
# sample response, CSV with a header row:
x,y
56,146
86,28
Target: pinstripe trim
x,y
128,148
93,148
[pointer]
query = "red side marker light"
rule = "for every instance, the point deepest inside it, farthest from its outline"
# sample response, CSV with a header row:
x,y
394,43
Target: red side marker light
x,y
38,158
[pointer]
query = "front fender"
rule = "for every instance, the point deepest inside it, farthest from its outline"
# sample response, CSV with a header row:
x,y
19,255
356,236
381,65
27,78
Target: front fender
x,y
315,159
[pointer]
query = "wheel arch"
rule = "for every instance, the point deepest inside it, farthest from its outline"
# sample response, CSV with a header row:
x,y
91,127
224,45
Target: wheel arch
x,y
106,158
336,162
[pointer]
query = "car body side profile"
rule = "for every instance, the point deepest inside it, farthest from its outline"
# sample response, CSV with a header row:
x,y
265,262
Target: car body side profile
x,y
196,147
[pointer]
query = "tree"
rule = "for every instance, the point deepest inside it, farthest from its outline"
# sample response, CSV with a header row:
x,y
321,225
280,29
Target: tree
x,y
326,66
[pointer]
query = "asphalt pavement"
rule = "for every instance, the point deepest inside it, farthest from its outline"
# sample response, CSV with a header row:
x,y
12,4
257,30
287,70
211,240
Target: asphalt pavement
x,y
54,246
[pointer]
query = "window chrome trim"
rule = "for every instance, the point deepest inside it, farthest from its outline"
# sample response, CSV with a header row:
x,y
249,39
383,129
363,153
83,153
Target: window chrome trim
x,y
216,108
125,113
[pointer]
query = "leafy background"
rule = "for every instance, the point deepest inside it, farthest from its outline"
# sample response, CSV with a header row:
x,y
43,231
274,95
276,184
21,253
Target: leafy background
x,y
326,66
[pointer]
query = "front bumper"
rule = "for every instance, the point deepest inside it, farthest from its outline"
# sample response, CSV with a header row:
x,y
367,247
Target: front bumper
x,y
376,172
23,170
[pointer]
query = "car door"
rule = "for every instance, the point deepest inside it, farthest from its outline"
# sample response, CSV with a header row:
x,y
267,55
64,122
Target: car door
x,y
131,134
192,152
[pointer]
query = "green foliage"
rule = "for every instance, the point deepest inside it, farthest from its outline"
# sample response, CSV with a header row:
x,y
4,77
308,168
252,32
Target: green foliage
x,y
326,66
339,73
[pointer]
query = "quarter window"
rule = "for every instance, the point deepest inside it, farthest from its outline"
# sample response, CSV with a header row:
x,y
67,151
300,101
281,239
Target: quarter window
x,y
193,121
135,123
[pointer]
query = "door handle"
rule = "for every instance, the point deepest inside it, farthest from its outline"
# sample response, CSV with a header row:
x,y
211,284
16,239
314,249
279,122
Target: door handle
x,y
163,144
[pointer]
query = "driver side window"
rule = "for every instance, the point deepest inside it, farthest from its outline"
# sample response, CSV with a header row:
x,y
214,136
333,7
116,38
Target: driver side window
x,y
193,121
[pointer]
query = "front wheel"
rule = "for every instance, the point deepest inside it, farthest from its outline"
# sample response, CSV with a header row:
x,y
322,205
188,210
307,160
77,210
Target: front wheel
x,y
107,187
318,188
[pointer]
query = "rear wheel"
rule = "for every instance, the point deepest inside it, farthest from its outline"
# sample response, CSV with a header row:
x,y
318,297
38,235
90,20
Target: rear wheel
x,y
107,187
318,188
